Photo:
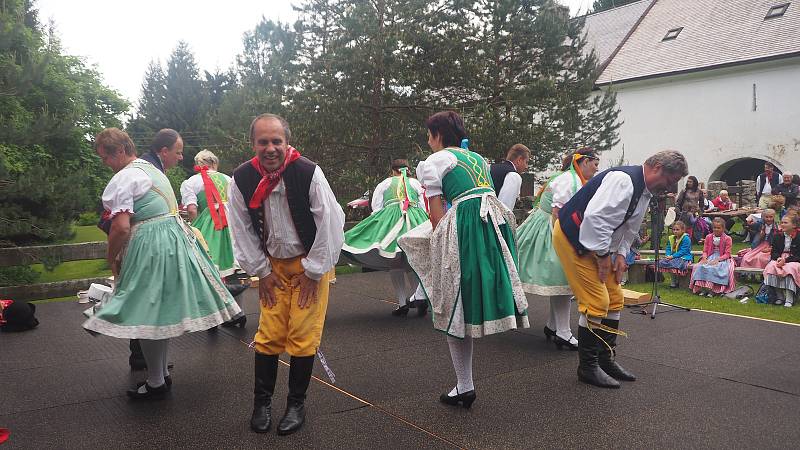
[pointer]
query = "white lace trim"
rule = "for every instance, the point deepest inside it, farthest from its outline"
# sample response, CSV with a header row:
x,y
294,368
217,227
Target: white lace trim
x,y
546,291
162,332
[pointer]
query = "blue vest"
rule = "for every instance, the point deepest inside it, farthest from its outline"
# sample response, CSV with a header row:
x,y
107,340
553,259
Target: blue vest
x,y
571,215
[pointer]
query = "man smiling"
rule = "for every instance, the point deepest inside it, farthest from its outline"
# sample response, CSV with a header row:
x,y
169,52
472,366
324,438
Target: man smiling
x,y
288,231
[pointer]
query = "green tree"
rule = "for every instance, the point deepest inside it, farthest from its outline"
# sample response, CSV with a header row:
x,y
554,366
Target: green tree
x,y
50,104
602,5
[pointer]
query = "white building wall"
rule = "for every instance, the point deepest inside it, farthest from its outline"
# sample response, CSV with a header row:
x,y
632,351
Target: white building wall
x,y
709,117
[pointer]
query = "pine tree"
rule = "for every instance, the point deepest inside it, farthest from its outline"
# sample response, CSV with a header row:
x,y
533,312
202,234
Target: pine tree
x,y
51,103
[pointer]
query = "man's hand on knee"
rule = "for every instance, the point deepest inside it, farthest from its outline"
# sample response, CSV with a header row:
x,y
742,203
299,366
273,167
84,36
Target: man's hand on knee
x,y
266,289
603,268
308,290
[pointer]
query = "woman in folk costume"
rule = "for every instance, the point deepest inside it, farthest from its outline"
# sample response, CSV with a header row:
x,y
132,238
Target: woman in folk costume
x,y
465,257
205,196
166,285
782,274
539,266
396,209
758,256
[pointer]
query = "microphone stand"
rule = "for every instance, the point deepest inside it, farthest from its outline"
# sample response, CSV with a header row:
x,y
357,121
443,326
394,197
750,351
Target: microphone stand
x,y
656,227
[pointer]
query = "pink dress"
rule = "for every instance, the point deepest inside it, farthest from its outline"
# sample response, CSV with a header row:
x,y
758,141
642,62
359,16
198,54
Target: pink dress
x,y
756,257
786,277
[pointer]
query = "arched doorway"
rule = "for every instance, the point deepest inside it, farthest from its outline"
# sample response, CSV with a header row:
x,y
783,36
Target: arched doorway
x,y
735,170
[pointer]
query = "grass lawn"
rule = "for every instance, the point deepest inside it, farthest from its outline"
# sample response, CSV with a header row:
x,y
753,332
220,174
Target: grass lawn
x,y
73,270
87,233
685,298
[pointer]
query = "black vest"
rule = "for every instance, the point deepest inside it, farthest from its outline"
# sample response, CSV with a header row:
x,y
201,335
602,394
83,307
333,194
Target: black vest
x,y
297,180
571,215
498,172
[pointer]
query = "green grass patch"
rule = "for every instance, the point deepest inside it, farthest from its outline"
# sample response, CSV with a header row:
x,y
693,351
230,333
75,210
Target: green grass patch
x,y
344,270
87,233
686,298
73,270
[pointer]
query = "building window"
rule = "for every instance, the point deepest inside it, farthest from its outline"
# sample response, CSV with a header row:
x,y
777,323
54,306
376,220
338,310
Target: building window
x,y
777,11
672,34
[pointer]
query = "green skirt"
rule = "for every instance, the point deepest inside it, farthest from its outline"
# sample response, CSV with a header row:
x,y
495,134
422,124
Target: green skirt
x,y
220,246
167,286
373,242
467,269
539,266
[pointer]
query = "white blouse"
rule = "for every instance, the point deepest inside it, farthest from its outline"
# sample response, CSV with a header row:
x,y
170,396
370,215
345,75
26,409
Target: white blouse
x,y
433,171
125,187
192,186
787,244
564,187
282,238
380,189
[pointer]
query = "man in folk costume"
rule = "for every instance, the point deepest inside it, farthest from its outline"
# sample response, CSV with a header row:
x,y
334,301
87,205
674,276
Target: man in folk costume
x,y
506,174
593,234
288,231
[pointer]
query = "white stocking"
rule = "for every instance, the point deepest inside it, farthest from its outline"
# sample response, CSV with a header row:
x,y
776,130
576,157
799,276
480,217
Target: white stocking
x,y
461,354
155,355
398,277
559,313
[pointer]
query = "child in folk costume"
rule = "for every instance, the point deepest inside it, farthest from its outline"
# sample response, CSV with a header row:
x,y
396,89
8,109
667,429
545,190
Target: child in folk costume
x,y
759,255
540,268
678,253
205,196
782,274
397,207
713,274
465,257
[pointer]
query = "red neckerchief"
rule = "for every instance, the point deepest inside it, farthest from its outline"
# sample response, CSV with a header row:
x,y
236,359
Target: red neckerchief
x,y
213,199
270,179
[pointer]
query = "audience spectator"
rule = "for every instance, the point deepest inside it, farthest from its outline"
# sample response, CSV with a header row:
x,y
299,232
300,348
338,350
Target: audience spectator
x,y
678,253
782,274
765,184
690,204
788,189
759,253
713,274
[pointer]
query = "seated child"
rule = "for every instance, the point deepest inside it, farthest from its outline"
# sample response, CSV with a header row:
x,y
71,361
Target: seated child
x,y
713,274
679,253
759,255
782,274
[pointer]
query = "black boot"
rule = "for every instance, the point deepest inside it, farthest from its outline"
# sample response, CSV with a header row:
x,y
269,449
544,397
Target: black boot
x,y
136,359
299,377
589,370
422,307
606,358
265,374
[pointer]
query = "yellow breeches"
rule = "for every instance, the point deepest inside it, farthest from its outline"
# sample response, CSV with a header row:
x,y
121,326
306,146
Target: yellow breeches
x,y
285,327
595,298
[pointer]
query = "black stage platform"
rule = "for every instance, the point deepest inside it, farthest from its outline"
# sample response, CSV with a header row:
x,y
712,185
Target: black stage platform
x,y
705,381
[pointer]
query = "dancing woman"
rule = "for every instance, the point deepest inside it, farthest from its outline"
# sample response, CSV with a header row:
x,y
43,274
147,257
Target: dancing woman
x,y
466,257
372,243
539,267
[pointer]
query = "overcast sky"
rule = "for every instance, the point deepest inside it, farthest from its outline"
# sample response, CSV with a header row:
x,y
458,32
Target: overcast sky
x,y
121,37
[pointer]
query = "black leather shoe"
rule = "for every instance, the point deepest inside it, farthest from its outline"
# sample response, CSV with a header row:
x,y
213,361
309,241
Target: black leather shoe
x,y
589,370
548,333
560,342
606,359
261,419
240,322
466,399
150,393
400,311
422,307
293,418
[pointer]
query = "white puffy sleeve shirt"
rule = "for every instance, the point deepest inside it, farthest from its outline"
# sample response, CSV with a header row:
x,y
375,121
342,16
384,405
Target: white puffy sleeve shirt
x,y
432,172
192,186
282,238
510,191
377,194
564,187
125,187
606,211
